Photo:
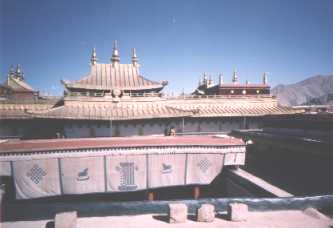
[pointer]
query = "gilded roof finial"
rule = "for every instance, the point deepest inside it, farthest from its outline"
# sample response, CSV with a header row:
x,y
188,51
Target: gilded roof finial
x,y
18,72
235,76
210,80
115,53
265,78
134,58
93,59
18,69
205,79
221,79
11,72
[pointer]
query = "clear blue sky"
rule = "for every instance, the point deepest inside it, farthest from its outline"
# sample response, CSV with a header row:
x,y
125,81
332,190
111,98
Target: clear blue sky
x,y
175,40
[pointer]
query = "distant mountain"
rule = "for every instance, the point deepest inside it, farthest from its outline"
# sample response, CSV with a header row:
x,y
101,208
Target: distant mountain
x,y
326,99
314,90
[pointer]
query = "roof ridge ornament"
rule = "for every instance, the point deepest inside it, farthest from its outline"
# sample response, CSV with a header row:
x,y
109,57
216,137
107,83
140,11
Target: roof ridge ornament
x,y
205,79
210,80
235,77
265,79
94,58
11,72
135,59
221,79
115,59
19,73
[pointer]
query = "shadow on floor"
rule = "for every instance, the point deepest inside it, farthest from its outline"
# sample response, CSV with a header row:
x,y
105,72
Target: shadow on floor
x,y
222,216
163,218
50,224
192,218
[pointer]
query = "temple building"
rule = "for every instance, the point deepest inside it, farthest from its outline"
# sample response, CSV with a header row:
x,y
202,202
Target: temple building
x,y
114,99
113,79
56,167
15,86
207,87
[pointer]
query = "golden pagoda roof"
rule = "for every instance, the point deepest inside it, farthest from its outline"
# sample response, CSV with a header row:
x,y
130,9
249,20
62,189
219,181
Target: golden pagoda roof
x,y
19,85
111,76
166,108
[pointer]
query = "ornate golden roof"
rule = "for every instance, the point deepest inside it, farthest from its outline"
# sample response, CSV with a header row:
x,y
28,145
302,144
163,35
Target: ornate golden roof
x,y
108,77
166,108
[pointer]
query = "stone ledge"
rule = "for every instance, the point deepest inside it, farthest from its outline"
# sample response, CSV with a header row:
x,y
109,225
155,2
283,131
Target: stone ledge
x,y
206,213
237,212
66,220
177,213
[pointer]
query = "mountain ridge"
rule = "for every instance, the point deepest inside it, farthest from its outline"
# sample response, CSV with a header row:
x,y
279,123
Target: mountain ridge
x,y
315,89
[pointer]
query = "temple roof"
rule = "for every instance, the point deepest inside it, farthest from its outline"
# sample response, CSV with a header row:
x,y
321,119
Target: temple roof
x,y
18,85
207,85
15,81
109,77
236,85
115,76
167,108
19,111
118,142
114,111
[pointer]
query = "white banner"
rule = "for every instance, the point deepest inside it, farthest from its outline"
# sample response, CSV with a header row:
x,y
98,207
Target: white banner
x,y
126,172
203,168
36,178
240,159
82,175
5,169
229,159
166,170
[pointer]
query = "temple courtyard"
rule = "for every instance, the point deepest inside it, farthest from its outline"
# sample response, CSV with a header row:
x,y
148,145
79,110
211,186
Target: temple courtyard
x,y
290,218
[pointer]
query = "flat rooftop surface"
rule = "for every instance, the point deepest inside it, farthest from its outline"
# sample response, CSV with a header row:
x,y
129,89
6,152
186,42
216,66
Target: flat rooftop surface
x,y
273,219
137,141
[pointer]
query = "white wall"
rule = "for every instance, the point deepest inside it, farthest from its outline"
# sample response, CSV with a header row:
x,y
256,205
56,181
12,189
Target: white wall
x,y
156,127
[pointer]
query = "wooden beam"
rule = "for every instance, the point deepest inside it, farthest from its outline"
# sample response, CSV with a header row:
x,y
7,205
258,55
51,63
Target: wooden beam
x,y
196,192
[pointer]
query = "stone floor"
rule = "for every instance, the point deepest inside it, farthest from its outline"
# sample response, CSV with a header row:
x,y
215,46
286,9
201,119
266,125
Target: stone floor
x,y
287,219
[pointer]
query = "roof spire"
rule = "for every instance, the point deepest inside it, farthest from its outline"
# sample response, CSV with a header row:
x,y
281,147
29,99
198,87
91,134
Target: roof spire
x,y
264,78
93,59
220,79
115,53
235,77
210,80
205,79
134,58
18,72
11,72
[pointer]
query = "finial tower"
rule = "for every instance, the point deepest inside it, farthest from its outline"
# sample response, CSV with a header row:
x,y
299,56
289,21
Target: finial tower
x,y
135,59
18,72
265,79
11,72
210,80
93,59
205,79
235,77
221,79
115,59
